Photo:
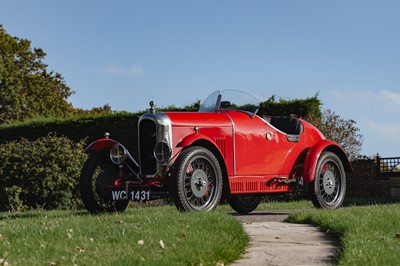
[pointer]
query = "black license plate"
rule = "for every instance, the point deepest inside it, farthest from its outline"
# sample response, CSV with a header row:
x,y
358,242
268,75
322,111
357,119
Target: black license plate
x,y
135,195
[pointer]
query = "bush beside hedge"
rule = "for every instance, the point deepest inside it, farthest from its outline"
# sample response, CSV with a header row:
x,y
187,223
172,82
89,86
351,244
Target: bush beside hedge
x,y
42,170
42,173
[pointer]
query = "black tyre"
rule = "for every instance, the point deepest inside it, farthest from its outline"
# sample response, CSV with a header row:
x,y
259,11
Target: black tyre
x,y
244,203
329,187
196,180
98,174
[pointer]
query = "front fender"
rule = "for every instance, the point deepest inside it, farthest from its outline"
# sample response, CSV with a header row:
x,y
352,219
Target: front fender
x,y
101,144
107,144
188,140
314,153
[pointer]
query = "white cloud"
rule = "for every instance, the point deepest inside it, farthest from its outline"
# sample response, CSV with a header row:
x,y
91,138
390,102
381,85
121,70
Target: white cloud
x,y
354,96
130,70
390,100
376,113
384,129
365,101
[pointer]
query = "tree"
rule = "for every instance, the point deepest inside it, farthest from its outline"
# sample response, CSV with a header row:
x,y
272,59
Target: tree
x,y
342,131
27,89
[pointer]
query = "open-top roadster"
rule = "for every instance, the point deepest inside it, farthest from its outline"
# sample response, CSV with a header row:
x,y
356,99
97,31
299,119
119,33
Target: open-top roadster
x,y
223,149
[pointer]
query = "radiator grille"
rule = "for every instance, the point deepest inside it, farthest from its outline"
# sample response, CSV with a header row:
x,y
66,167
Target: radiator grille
x,y
147,141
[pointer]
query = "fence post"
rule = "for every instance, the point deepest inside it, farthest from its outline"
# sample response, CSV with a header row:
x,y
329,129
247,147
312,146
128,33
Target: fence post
x,y
378,165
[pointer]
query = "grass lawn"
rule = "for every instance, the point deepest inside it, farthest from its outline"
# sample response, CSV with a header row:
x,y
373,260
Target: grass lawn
x,y
370,235
139,236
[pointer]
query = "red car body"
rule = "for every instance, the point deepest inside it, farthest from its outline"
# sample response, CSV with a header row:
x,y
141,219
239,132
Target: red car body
x,y
226,147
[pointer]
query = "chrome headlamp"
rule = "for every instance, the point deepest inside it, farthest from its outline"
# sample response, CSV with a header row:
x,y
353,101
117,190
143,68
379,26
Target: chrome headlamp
x,y
118,154
162,152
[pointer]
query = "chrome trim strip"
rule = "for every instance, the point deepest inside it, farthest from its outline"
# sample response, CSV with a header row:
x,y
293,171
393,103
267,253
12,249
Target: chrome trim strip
x,y
233,143
163,131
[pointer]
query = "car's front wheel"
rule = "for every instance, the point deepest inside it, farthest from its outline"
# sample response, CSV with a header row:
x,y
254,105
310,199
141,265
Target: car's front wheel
x,y
244,203
196,180
97,176
329,186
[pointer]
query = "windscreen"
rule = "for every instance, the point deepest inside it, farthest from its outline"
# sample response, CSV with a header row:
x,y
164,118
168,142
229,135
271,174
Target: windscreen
x,y
230,100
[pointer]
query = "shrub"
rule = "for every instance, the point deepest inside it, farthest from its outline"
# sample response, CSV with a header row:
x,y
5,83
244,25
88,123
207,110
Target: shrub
x,y
42,173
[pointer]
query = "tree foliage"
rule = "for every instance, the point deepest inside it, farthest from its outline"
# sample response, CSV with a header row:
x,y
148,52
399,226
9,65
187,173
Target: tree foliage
x,y
342,131
27,89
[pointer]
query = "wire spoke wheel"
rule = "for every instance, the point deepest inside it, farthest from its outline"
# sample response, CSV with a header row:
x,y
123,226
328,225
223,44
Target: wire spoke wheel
x,y
329,182
197,182
329,186
97,177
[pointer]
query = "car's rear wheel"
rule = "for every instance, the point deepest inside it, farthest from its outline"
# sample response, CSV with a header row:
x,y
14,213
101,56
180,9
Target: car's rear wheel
x,y
196,180
329,186
97,176
244,203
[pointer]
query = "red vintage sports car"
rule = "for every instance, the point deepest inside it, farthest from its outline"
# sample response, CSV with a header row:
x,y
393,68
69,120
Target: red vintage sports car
x,y
223,149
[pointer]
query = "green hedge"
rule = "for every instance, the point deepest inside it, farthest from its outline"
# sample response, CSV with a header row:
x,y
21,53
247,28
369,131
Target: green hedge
x,y
122,126
304,108
43,173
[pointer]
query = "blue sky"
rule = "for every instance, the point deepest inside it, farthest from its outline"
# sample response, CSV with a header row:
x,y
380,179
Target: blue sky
x,y
126,53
